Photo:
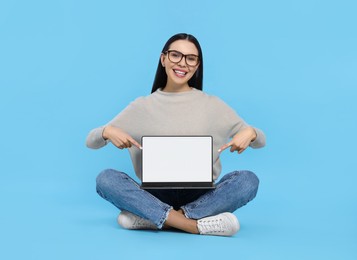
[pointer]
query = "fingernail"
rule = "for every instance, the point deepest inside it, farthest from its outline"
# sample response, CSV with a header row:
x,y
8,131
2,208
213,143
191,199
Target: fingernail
x,y
219,150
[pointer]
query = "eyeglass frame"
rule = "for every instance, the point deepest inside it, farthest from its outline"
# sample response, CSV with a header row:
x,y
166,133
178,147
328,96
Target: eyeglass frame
x,y
182,55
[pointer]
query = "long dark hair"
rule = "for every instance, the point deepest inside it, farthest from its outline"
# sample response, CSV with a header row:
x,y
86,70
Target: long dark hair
x,y
197,78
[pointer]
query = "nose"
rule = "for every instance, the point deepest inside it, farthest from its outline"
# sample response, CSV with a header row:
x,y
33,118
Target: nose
x,y
182,62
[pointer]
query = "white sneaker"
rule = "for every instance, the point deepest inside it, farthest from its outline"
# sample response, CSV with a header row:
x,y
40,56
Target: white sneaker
x,y
129,220
224,224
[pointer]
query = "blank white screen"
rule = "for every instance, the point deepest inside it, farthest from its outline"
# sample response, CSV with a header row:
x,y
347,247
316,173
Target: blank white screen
x,y
177,159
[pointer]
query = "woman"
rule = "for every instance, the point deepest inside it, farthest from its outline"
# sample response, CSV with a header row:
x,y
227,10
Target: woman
x,y
177,106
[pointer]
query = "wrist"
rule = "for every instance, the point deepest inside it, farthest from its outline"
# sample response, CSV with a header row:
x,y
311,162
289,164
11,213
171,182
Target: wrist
x,y
254,134
105,132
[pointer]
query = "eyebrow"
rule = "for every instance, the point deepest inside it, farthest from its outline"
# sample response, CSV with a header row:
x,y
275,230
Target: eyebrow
x,y
184,53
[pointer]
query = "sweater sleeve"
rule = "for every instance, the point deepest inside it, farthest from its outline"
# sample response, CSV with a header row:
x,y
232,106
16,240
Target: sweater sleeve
x,y
95,138
235,124
129,120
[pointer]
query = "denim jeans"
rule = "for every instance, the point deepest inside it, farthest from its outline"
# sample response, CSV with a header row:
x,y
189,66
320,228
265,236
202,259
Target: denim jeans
x,y
233,191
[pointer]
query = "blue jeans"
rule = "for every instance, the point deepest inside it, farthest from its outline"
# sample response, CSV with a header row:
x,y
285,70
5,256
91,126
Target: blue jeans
x,y
233,191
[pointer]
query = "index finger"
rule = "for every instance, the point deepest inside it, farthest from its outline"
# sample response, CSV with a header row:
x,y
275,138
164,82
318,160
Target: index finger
x,y
224,147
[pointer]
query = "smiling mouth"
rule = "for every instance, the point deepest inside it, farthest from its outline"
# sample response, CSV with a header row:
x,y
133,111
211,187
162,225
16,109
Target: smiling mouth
x,y
180,73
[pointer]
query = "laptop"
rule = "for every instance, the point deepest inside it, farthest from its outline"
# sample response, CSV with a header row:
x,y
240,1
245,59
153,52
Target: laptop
x,y
177,162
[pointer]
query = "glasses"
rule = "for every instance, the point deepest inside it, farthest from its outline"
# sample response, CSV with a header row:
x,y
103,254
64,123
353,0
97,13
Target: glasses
x,y
176,57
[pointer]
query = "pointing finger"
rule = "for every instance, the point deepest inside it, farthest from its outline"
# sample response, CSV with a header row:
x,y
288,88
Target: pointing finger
x,y
224,147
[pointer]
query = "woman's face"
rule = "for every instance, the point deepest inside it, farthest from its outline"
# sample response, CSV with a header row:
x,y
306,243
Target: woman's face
x,y
179,72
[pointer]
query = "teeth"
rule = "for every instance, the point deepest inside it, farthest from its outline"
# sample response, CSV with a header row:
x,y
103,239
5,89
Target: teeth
x,y
180,72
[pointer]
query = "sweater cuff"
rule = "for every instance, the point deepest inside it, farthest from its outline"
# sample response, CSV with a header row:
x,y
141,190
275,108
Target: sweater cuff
x,y
259,140
95,138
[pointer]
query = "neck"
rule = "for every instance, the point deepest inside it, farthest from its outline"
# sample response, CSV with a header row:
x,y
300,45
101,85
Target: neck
x,y
176,88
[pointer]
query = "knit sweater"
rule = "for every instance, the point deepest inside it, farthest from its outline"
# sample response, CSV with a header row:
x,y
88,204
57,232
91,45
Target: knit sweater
x,y
183,113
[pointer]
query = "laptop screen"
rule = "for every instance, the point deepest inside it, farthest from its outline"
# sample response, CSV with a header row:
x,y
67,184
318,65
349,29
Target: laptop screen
x,y
176,159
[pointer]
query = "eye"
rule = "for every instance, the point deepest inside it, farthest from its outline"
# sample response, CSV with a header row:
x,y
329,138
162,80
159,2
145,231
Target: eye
x,y
192,58
175,54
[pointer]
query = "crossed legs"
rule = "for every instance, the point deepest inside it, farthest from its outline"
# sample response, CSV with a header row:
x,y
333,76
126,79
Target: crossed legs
x,y
232,191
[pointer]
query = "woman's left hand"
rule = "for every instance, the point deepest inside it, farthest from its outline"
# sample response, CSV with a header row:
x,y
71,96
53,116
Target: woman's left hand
x,y
241,140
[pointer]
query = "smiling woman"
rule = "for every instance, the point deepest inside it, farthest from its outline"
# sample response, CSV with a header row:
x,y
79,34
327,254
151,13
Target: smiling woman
x,y
177,69
179,46
177,106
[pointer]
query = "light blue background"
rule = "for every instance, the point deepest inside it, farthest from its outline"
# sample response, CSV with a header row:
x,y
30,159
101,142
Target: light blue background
x,y
288,67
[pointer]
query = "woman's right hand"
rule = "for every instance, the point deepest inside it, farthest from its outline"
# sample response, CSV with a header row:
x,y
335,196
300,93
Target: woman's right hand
x,y
119,138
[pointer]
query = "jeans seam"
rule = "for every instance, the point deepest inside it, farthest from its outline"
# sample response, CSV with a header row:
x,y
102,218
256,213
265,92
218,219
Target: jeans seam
x,y
164,217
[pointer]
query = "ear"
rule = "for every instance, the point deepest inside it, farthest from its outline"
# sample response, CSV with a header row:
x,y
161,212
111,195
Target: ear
x,y
162,58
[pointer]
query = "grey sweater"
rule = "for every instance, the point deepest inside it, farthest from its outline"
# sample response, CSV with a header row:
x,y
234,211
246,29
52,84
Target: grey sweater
x,y
185,113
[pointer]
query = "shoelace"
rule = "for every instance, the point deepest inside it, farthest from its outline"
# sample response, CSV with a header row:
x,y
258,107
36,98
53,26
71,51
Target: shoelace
x,y
140,222
215,226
